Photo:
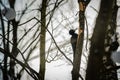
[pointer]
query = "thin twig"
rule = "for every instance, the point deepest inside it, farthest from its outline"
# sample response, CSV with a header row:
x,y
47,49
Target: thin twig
x,y
94,9
20,63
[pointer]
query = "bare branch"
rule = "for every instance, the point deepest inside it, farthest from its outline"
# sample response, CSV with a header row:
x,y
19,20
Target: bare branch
x,y
20,63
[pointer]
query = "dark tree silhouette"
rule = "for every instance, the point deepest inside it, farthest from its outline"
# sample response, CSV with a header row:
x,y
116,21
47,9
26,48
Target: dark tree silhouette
x,y
99,61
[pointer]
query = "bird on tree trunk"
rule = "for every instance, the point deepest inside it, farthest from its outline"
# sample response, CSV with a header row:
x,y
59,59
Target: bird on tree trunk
x,y
73,40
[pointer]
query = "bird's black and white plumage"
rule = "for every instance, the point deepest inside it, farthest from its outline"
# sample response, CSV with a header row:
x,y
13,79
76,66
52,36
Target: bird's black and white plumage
x,y
73,40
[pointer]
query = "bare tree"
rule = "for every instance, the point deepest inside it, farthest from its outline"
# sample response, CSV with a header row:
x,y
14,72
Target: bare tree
x,y
99,60
79,46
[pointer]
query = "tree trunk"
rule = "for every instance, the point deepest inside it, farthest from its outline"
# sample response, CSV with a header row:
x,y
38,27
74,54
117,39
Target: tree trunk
x,y
42,40
4,69
14,48
108,72
79,46
97,49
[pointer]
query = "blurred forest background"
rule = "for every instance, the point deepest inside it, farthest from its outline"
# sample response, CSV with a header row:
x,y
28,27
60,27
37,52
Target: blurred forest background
x,y
35,43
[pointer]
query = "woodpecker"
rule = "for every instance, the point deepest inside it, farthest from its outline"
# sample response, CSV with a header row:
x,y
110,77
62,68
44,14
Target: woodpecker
x,y
73,40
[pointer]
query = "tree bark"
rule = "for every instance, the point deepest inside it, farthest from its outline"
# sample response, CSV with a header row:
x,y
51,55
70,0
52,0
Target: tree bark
x,y
97,49
79,46
42,40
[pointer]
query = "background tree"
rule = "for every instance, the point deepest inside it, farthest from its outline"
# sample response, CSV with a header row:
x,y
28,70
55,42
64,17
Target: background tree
x,y
99,60
42,39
